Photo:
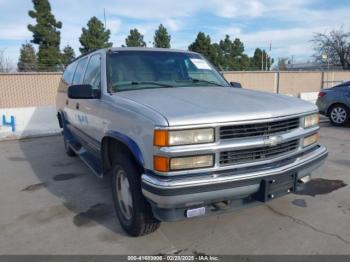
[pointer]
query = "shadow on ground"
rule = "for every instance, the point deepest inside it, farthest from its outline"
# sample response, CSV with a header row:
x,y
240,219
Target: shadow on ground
x,y
69,180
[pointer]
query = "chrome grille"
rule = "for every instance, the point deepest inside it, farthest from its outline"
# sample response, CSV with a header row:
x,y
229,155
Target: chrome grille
x,y
257,154
259,129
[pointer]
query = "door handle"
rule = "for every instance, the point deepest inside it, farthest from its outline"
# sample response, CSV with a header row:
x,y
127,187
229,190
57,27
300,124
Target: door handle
x,y
77,106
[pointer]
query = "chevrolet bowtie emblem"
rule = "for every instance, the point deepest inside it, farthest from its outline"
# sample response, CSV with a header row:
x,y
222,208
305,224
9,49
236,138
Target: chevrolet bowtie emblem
x,y
273,140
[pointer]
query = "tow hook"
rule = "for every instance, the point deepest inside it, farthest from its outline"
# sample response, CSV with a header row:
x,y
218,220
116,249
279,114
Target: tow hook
x,y
220,205
304,179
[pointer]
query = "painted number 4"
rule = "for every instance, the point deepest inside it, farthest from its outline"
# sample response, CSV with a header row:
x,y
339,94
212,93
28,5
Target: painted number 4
x,y
10,123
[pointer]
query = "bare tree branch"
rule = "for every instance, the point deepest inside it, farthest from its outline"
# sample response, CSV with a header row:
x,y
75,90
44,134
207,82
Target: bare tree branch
x,y
335,45
5,64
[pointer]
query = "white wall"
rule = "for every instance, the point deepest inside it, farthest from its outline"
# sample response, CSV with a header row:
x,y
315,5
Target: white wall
x,y
27,122
309,96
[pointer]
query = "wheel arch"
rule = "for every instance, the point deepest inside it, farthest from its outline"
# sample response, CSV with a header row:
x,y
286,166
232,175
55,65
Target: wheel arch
x,y
60,119
334,104
114,142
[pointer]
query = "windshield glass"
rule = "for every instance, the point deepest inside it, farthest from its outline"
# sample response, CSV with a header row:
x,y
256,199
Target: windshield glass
x,y
132,70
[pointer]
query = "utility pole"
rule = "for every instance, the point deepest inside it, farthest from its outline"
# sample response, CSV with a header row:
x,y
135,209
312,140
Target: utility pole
x,y
262,60
268,59
104,17
325,57
327,71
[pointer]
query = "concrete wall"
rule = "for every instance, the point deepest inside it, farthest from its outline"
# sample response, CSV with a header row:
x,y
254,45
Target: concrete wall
x,y
31,89
27,105
263,81
27,101
21,122
288,82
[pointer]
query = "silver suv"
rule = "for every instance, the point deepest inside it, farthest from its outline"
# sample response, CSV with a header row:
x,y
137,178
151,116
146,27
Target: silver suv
x,y
177,140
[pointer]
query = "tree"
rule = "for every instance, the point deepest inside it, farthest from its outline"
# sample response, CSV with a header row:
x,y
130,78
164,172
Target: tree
x,y
233,54
5,65
334,45
134,39
27,61
161,37
68,55
217,56
202,44
258,61
94,36
46,35
282,63
228,54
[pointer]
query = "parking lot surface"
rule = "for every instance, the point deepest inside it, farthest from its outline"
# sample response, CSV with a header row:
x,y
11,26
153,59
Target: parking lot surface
x,y
53,204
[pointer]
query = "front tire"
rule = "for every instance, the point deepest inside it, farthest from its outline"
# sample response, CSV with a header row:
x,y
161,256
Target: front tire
x,y
133,211
339,115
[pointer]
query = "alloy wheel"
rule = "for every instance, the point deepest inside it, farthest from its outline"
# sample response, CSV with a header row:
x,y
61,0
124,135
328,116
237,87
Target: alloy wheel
x,y
338,115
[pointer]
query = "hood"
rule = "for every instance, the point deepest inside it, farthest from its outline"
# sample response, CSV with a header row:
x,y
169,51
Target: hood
x,y
203,105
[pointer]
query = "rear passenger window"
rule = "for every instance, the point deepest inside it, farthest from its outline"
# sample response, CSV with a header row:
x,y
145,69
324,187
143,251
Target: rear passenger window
x,y
79,71
68,73
93,72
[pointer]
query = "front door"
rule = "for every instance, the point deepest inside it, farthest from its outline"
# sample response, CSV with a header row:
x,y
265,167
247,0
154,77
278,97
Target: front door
x,y
87,112
74,115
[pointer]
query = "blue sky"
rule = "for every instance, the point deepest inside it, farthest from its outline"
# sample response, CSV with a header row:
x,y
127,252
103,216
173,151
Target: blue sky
x,y
288,25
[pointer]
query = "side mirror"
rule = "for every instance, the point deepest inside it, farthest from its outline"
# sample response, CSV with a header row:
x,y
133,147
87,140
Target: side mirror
x,y
236,84
84,91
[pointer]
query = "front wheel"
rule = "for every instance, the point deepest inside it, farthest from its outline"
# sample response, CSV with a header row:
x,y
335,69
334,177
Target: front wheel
x,y
133,211
339,115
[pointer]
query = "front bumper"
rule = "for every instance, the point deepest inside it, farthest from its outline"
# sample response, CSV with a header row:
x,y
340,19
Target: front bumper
x,y
170,197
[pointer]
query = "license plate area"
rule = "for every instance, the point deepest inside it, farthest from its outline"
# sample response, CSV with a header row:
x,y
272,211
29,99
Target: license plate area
x,y
276,186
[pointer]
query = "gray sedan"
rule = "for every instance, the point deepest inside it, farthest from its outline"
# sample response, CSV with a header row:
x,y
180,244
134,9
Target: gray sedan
x,y
335,103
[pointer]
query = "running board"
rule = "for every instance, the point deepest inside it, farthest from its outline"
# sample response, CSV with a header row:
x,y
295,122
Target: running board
x,y
89,159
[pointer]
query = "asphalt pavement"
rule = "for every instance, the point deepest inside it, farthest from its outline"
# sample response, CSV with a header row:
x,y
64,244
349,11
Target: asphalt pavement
x,y
53,204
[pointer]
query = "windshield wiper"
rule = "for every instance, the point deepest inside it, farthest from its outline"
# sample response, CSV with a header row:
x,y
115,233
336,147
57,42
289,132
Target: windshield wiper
x,y
196,80
142,83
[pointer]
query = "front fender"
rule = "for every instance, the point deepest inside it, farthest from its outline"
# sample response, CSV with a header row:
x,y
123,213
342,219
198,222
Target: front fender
x,y
129,143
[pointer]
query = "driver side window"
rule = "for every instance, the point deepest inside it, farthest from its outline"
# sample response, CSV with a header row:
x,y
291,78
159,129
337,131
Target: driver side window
x,y
93,72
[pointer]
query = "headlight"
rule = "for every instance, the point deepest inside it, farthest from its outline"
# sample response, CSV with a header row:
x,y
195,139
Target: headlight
x,y
164,164
192,162
309,140
311,120
183,137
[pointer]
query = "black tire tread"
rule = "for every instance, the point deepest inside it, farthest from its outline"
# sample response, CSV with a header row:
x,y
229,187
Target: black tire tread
x,y
144,223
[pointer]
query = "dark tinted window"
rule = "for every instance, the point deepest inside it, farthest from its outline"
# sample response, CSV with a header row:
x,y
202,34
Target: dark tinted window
x,y
69,72
93,72
78,75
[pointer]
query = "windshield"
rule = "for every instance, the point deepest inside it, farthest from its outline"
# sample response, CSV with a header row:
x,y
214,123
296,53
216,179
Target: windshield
x,y
133,70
